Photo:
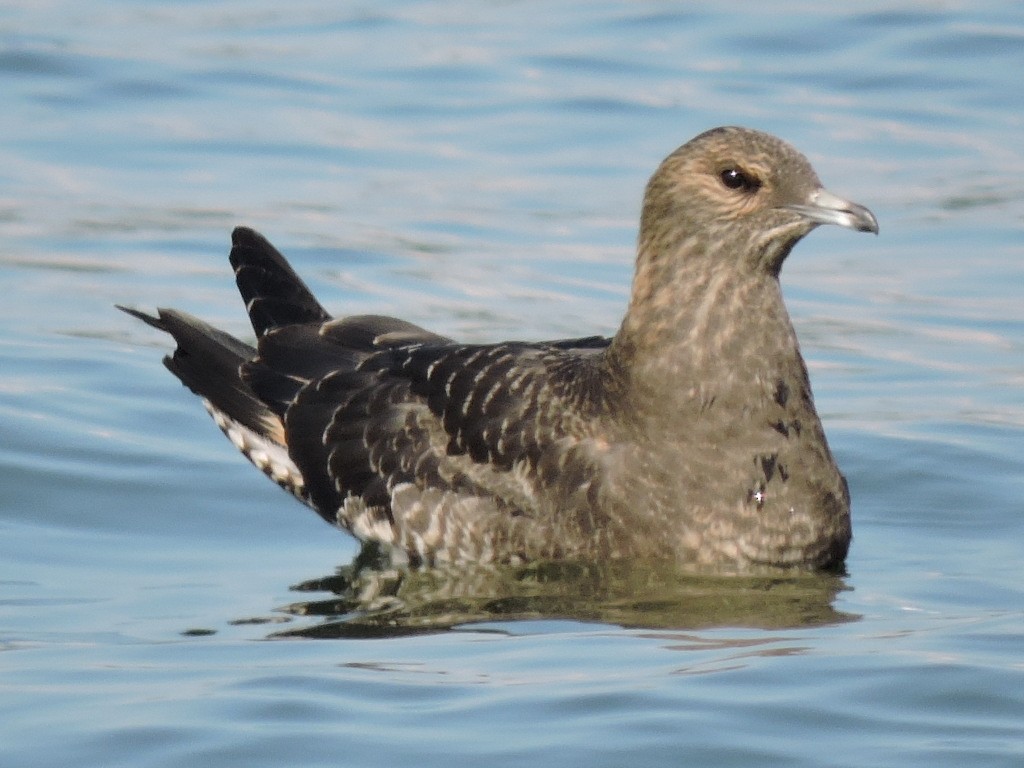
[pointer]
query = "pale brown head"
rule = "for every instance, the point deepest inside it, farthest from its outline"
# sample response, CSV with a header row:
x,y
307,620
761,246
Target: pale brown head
x,y
735,192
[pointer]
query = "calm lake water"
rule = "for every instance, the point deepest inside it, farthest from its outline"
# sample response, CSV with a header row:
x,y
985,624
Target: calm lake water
x,y
477,168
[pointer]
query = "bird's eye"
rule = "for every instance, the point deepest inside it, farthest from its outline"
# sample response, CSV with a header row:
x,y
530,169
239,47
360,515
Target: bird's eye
x,y
734,178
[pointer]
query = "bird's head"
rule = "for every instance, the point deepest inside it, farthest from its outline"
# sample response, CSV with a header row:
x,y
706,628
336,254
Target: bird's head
x,y
738,192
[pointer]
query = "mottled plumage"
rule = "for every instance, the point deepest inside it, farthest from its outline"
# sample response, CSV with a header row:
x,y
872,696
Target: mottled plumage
x,y
690,436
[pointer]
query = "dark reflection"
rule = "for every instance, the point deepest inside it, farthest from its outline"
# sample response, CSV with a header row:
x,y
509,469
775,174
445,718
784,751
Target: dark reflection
x,y
371,598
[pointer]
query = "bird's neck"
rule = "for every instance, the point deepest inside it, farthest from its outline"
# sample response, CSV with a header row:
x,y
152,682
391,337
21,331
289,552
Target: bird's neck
x,y
693,334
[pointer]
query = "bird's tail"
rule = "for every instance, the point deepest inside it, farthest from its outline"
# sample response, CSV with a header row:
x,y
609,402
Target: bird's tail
x,y
273,294
208,361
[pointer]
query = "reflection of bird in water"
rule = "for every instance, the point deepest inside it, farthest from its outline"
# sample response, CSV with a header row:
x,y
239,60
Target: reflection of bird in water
x,y
690,437
368,598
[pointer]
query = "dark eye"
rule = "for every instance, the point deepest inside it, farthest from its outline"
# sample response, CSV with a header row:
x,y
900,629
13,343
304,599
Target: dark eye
x,y
734,178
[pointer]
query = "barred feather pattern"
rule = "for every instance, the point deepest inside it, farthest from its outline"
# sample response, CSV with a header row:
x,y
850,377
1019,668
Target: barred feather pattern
x,y
443,451
267,455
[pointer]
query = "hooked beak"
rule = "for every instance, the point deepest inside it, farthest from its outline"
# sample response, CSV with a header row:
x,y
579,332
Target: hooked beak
x,y
823,207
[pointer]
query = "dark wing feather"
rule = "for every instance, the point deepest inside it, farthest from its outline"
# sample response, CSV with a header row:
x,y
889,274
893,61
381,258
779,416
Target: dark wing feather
x,y
488,435
308,375
501,403
273,293
382,428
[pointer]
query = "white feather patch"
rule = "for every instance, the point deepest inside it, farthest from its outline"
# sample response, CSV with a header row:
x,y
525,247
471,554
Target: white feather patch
x,y
267,455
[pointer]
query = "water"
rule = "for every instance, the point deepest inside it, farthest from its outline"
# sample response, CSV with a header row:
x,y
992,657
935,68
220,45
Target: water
x,y
477,168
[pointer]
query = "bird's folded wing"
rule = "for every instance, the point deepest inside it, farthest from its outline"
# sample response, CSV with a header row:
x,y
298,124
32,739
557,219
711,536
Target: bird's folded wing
x,y
379,409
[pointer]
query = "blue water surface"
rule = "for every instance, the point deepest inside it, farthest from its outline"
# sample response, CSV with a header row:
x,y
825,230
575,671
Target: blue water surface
x,y
477,168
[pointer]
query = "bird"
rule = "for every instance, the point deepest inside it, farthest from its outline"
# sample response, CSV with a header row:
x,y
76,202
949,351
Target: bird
x,y
690,437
